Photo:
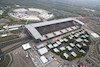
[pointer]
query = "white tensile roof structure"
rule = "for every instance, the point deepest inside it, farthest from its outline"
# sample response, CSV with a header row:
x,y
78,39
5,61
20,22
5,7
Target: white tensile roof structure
x,y
61,40
79,45
66,55
66,40
40,46
58,42
84,44
3,35
82,51
79,40
62,48
26,46
43,50
1,12
56,50
44,59
69,48
72,44
50,46
74,54
36,34
86,40
2,30
70,37
55,45
95,35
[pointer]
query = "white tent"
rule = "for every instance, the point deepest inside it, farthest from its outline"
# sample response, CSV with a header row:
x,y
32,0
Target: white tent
x,y
43,50
86,35
82,51
86,40
72,44
66,55
62,48
58,42
84,44
61,40
79,40
50,46
69,48
44,59
70,37
40,45
26,46
3,35
1,12
56,50
79,45
55,45
74,54
95,35
66,40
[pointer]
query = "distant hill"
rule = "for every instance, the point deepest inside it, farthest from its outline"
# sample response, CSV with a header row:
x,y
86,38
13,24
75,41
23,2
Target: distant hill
x,y
83,3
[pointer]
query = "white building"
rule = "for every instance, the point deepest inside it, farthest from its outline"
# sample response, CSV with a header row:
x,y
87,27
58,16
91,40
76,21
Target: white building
x,y
26,46
69,48
44,59
56,50
82,51
55,45
50,46
58,42
66,40
74,54
72,44
42,50
4,35
95,35
79,45
66,55
1,12
62,48
61,40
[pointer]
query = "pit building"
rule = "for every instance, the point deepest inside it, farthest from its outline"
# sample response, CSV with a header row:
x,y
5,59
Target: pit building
x,y
49,29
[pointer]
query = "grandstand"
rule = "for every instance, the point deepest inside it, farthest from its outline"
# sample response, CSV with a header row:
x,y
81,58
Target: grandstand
x,y
49,29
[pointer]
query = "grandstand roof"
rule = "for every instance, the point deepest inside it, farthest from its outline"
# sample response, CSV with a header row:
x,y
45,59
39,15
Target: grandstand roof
x,y
39,29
